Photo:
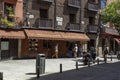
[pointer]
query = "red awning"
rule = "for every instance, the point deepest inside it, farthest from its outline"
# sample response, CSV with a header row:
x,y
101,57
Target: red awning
x,y
12,34
55,35
117,40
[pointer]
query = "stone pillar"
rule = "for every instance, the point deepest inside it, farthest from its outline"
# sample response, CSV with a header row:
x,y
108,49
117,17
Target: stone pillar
x,y
85,46
100,51
19,48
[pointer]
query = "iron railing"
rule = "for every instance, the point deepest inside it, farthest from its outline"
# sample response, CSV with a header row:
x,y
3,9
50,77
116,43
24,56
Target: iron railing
x,y
74,3
48,0
93,7
92,28
45,23
74,27
110,30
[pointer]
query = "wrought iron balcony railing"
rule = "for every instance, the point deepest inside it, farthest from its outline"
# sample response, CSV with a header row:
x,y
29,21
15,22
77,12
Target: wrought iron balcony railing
x,y
92,29
74,27
93,7
48,0
110,30
74,3
45,23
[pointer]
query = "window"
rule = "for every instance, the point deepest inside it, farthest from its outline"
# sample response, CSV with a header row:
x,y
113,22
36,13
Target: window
x,y
5,44
44,13
33,44
46,44
91,20
8,11
72,18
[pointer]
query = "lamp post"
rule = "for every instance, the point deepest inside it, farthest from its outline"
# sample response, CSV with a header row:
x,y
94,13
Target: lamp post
x,y
98,32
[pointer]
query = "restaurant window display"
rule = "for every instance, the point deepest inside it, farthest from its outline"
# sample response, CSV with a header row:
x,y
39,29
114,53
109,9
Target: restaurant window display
x,y
33,44
4,45
46,44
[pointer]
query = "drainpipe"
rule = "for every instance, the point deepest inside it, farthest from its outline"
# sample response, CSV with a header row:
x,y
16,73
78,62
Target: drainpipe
x,y
55,14
80,13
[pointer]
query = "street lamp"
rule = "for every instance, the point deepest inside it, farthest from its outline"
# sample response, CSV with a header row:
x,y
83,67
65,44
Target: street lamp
x,y
98,32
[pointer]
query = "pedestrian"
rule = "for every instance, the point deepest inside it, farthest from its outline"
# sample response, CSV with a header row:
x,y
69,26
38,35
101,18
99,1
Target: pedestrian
x,y
105,54
75,50
93,53
56,51
86,58
80,50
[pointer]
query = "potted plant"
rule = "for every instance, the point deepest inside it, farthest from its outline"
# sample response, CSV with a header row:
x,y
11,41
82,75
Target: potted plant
x,y
3,22
10,12
10,24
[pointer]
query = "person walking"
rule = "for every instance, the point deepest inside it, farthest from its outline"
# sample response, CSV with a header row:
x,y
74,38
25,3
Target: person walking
x,y
93,54
56,51
80,50
75,50
105,54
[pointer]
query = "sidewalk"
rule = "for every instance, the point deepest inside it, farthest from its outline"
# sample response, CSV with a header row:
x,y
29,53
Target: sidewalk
x,y
25,69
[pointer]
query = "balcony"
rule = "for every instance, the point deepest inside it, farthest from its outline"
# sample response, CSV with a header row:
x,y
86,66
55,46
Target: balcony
x,y
110,30
93,7
74,27
48,1
74,3
92,29
45,23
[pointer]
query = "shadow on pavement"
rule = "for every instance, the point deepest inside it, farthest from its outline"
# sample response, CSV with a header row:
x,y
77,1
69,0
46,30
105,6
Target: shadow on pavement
x,y
108,71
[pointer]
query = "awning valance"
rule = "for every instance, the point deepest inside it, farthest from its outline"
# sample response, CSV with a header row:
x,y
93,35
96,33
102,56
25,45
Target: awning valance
x,y
12,34
74,36
55,35
117,40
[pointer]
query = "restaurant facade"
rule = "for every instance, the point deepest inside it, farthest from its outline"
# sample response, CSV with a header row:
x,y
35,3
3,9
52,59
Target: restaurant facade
x,y
40,25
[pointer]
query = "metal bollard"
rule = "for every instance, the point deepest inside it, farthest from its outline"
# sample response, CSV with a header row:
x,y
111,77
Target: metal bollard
x,y
60,68
111,57
105,60
76,65
88,63
1,75
38,72
98,61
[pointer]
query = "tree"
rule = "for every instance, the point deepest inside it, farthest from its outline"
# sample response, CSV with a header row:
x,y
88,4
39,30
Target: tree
x,y
112,14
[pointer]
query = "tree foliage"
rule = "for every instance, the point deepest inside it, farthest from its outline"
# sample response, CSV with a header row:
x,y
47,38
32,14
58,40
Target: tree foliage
x,y
112,13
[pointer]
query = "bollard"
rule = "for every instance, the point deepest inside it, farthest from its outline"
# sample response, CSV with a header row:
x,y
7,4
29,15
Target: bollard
x,y
1,75
98,61
111,57
38,72
76,65
105,60
88,63
60,68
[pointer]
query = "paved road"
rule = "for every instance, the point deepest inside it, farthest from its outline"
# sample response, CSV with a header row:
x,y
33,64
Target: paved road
x,y
25,70
97,72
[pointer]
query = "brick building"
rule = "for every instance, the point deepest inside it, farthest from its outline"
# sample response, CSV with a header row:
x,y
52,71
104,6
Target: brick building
x,y
71,16
51,22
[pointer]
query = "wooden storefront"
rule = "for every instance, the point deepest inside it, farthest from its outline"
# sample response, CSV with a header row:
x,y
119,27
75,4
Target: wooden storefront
x,y
26,43
9,43
44,41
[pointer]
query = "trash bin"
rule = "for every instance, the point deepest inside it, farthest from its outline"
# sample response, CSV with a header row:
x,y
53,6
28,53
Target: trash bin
x,y
40,63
